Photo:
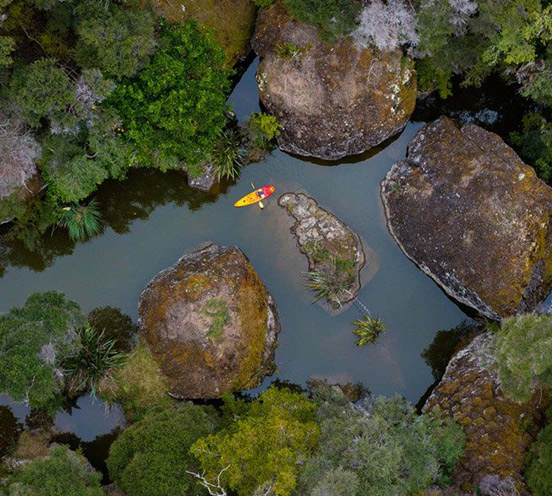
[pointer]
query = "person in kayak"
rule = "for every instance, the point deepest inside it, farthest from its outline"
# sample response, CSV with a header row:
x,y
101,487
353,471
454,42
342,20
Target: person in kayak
x,y
260,193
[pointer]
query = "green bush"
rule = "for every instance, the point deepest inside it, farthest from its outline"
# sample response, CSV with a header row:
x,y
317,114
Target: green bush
x,y
150,458
82,221
333,18
368,329
539,461
523,350
263,446
62,473
31,339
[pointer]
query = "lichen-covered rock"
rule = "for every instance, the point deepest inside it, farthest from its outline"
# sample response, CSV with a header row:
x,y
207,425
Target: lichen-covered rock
x,y
210,323
473,216
331,100
328,243
232,21
206,181
19,177
498,431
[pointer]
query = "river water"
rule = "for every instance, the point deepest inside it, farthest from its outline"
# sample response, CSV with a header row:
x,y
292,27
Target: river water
x,y
152,219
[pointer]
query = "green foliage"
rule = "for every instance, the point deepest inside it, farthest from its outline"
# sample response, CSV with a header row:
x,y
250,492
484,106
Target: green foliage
x,y
368,329
534,144
93,359
263,3
117,41
333,18
395,450
523,350
228,154
31,338
82,221
174,111
265,446
7,45
63,473
538,475
217,313
263,128
150,458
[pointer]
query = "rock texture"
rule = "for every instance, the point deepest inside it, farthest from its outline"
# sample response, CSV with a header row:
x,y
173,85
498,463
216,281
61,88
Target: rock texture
x,y
498,431
328,243
210,323
206,181
332,100
474,217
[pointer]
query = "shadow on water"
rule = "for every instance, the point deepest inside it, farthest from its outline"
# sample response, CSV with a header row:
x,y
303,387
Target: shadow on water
x,y
10,429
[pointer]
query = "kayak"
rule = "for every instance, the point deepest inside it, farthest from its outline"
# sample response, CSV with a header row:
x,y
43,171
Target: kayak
x,y
255,196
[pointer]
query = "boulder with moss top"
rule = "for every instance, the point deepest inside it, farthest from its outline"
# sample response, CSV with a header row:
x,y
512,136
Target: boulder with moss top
x,y
331,100
466,209
330,246
210,323
498,431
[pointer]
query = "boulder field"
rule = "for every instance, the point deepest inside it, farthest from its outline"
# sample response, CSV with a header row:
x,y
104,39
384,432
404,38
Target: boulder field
x,y
210,323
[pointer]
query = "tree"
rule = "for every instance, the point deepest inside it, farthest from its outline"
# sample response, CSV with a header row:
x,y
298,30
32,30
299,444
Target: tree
x,y
539,461
31,339
62,473
150,458
117,41
263,446
523,350
174,111
395,451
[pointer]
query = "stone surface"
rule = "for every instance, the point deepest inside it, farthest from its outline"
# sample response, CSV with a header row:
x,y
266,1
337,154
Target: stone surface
x,y
498,431
206,181
178,314
473,216
19,177
331,100
232,21
321,236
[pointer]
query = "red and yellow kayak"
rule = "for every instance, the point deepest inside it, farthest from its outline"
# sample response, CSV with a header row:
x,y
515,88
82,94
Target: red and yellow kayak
x,y
256,196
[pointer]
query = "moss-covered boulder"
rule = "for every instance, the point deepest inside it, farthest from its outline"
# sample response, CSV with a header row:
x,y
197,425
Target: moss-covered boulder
x,y
20,180
498,431
210,323
331,100
232,21
474,217
332,248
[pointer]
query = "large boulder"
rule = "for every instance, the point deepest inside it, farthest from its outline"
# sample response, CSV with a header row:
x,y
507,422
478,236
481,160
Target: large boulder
x,y
331,100
498,431
19,177
231,21
210,323
473,216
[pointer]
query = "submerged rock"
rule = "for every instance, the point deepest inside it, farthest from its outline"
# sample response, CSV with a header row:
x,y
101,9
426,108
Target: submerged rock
x,y
232,21
331,100
466,209
498,431
210,323
330,246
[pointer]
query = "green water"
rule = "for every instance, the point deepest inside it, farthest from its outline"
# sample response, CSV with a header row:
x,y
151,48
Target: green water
x,y
152,219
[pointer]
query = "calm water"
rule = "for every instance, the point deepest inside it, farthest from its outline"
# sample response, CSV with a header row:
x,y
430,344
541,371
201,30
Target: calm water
x,y
152,219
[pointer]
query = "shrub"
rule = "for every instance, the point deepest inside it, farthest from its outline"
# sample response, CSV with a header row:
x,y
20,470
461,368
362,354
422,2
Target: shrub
x,y
539,461
150,458
82,221
228,155
262,447
263,128
523,350
63,473
31,339
333,18
368,329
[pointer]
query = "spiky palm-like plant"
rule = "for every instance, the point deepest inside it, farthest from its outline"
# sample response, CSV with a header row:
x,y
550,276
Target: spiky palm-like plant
x,y
327,284
228,155
368,329
82,221
92,361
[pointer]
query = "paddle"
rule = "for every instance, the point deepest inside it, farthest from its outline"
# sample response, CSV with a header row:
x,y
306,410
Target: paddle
x,y
260,202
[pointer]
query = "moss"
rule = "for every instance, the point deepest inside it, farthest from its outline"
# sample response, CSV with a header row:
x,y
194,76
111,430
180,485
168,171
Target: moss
x,y
216,312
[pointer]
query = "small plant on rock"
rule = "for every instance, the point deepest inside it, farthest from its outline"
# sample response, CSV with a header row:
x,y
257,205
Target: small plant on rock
x,y
368,329
82,221
328,283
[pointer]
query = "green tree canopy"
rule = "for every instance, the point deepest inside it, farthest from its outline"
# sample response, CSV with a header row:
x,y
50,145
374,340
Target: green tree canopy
x,y
539,461
62,473
31,338
174,110
523,350
151,457
264,446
